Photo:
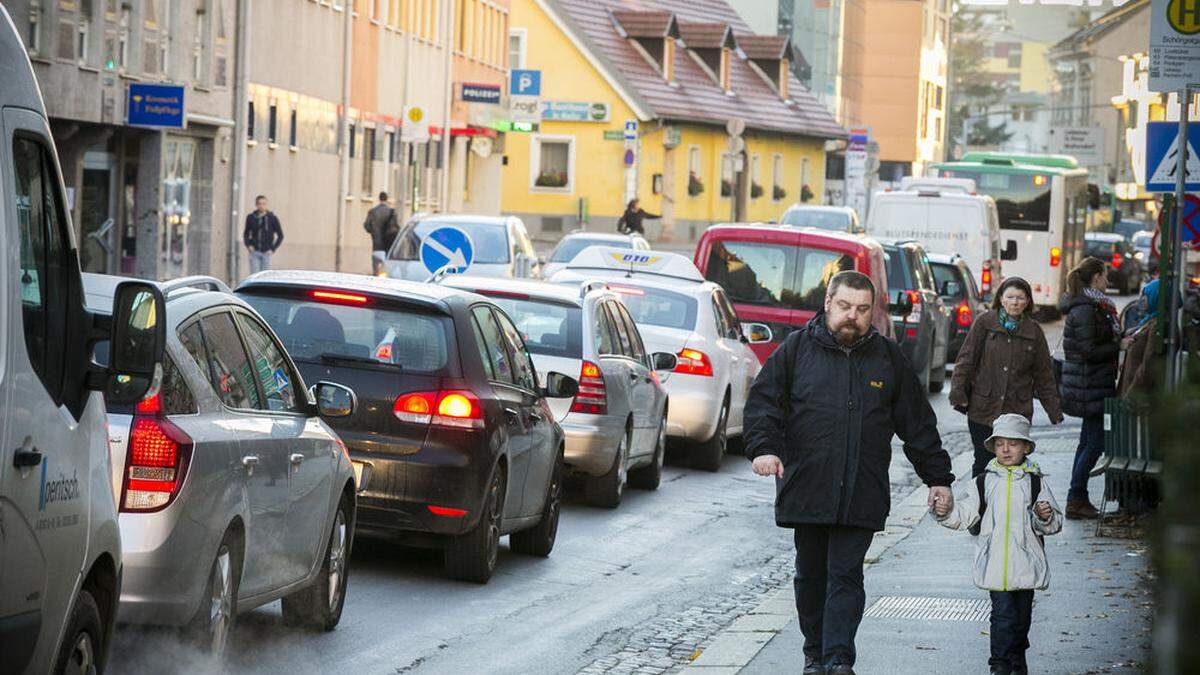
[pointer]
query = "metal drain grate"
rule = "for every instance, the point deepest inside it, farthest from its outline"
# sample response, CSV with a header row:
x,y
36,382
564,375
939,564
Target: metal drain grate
x,y
930,609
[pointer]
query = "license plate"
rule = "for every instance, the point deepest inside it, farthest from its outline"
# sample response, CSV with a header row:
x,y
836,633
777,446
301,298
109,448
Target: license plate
x,y
358,474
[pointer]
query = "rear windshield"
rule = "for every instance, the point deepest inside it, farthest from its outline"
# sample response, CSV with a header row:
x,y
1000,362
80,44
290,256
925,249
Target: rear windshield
x,y
826,220
943,273
774,275
656,307
549,328
1143,240
1098,249
569,248
315,332
897,270
489,240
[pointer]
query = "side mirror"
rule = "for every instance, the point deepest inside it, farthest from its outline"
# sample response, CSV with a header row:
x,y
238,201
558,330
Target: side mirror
x,y
334,400
137,340
757,333
541,260
560,386
951,289
1010,250
664,360
902,305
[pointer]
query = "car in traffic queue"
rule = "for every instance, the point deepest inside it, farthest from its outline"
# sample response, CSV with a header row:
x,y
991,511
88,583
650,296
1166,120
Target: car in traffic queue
x,y
500,245
678,312
834,218
1124,263
616,425
453,442
232,490
921,318
1143,243
60,550
777,275
571,245
956,285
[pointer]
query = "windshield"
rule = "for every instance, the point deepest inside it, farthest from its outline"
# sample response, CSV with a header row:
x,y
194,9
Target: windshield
x,y
656,307
490,240
774,275
568,248
826,220
316,332
549,328
943,273
1022,200
1098,248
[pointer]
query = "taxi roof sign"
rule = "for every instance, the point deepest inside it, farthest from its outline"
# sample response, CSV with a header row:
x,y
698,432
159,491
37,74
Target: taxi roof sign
x,y
659,263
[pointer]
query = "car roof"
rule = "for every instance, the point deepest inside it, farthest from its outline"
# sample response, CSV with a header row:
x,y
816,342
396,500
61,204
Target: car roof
x,y
542,290
821,207
434,295
1104,236
183,296
758,228
18,87
658,264
946,258
894,242
464,218
599,236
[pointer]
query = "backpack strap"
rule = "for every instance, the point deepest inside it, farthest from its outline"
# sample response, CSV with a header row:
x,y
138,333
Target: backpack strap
x,y
974,529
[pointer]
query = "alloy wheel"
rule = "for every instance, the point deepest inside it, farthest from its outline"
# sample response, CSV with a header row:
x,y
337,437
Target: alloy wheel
x,y
220,602
622,464
337,559
83,656
493,522
555,500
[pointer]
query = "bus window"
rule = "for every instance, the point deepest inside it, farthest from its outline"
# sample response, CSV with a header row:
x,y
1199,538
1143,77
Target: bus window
x,y
1022,200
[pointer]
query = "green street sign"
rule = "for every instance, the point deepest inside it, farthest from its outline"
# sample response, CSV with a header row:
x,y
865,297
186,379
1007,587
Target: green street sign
x,y
614,135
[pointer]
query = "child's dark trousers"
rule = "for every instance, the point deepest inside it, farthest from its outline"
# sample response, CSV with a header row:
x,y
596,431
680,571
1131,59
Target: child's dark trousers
x,y
1012,612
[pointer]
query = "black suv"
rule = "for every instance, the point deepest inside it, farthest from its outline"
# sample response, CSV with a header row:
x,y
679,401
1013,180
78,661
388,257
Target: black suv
x,y
452,442
923,332
956,285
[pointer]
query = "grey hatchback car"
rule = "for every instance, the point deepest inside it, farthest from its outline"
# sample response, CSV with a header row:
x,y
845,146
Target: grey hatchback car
x,y
232,491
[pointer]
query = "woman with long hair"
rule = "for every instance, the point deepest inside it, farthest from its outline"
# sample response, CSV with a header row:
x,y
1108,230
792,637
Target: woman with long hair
x,y
1091,348
1003,364
631,221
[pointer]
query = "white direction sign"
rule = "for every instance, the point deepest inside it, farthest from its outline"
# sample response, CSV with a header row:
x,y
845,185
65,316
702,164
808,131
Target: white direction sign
x,y
1174,45
1085,144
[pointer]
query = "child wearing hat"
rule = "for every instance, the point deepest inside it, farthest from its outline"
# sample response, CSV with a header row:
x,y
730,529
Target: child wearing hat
x,y
1015,512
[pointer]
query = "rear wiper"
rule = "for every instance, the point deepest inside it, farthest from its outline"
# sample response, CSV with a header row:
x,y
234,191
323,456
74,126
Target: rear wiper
x,y
330,357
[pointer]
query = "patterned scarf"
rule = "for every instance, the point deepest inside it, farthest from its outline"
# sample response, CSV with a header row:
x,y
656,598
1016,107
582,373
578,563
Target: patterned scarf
x,y
1105,303
1010,323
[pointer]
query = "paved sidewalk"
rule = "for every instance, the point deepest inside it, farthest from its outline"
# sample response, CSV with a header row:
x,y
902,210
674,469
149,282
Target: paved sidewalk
x,y
1094,618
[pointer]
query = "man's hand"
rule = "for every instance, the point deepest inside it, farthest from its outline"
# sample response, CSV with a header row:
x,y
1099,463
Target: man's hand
x,y
1042,510
768,465
941,497
941,508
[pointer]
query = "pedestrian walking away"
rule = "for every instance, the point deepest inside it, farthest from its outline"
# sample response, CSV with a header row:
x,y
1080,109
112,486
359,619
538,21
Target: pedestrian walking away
x,y
1139,369
820,418
1014,509
383,226
262,235
631,221
1003,364
1090,349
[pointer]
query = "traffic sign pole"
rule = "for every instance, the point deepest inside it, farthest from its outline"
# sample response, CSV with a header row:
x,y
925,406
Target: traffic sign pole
x,y
1177,285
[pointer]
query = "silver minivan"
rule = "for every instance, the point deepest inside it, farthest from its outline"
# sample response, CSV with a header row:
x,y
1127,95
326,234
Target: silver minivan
x,y
502,247
232,491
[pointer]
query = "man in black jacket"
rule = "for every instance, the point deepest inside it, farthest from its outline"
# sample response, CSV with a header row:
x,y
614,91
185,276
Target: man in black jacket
x,y
820,418
262,235
383,226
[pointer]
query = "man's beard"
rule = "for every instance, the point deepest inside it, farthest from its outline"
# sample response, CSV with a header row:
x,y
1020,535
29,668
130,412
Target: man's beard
x,y
847,333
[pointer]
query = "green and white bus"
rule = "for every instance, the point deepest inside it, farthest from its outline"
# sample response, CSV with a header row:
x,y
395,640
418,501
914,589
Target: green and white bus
x,y
1042,202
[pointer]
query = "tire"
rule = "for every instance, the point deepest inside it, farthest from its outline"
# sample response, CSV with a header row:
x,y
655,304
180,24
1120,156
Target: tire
x,y
707,456
320,605
606,491
539,539
472,556
649,477
83,641
214,621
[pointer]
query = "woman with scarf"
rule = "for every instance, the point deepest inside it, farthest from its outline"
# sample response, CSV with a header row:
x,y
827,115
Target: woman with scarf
x,y
1003,364
1091,347
1137,371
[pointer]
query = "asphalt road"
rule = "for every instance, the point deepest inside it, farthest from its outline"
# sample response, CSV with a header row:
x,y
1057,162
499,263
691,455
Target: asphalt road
x,y
663,568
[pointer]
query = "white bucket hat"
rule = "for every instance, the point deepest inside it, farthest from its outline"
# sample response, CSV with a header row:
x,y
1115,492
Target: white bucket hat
x,y
1010,425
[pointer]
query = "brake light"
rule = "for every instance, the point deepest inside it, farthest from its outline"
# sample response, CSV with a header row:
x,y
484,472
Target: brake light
x,y
592,397
157,462
339,297
693,362
911,333
446,511
985,277
502,294
459,409
914,297
1117,261
1055,256
151,405
962,314
626,290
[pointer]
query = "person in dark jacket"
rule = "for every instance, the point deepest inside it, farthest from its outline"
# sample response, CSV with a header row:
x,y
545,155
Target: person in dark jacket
x,y
820,418
383,226
631,221
1091,349
262,235
1003,364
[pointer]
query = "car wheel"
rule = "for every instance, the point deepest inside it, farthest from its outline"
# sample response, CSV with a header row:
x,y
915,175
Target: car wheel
x,y
606,491
320,605
708,455
472,556
649,477
83,640
213,623
539,539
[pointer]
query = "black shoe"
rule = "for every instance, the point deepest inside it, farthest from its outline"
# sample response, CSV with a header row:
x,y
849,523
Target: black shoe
x,y
841,669
813,666
1002,670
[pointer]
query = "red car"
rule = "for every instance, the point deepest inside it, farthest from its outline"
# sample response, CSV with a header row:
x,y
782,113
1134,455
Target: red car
x,y
777,275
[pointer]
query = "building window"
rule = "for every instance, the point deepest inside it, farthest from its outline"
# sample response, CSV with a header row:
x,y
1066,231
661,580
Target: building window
x,y
727,175
551,165
1014,56
81,39
803,178
33,34
199,45
756,189
250,120
777,191
369,154
351,137
272,123
292,131
391,148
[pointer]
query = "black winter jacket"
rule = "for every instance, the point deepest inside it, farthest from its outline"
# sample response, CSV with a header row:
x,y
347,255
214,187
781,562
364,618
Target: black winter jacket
x,y
263,234
829,412
1091,349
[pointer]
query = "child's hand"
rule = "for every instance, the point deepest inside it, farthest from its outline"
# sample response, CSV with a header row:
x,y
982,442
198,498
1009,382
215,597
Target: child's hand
x,y
1042,510
941,507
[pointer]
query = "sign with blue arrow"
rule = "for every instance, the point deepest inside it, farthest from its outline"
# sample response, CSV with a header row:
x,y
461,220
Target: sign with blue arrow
x,y
447,248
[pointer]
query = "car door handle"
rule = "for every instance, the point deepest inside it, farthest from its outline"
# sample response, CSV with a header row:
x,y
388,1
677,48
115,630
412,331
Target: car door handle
x,y
296,458
633,376
26,457
511,413
250,461
535,415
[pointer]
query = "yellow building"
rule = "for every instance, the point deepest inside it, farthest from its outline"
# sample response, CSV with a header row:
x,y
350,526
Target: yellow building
x,y
671,77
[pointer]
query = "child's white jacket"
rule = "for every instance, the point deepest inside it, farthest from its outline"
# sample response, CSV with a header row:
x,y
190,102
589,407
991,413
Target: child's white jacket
x,y
1008,555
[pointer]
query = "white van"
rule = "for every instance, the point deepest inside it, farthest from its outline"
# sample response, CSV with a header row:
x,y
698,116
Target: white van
x,y
60,551
944,219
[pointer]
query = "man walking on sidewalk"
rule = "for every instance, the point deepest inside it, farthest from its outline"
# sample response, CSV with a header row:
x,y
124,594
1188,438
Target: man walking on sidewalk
x,y
262,235
382,225
820,418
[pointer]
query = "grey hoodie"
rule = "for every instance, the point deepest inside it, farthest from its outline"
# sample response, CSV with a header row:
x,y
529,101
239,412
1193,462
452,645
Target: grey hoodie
x,y
1008,555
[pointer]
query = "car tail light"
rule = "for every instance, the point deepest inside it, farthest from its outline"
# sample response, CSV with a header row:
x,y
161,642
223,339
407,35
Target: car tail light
x,y
592,398
985,277
962,314
455,408
1055,256
693,362
910,333
446,511
157,461
338,297
626,290
914,297
1117,261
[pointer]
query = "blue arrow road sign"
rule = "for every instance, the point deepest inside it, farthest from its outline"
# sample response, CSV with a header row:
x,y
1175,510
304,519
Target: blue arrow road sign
x,y
1162,157
525,83
447,248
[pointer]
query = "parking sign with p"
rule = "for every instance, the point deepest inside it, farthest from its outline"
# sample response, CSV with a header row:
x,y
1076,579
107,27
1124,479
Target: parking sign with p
x,y
525,83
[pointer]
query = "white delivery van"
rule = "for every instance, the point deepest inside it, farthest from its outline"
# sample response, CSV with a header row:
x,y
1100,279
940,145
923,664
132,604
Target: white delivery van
x,y
944,219
60,551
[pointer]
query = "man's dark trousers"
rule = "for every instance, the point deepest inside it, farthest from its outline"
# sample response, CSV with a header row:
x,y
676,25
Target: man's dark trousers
x,y
829,589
